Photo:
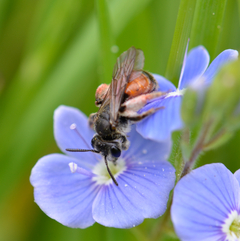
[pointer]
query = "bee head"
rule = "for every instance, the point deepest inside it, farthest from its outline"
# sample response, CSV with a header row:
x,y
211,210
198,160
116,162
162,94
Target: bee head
x,y
110,149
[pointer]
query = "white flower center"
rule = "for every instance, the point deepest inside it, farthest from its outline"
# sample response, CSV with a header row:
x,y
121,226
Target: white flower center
x,y
102,175
231,226
176,93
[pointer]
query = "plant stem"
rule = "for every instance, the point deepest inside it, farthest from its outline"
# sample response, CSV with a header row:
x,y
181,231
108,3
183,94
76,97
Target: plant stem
x,y
198,148
215,138
162,225
139,234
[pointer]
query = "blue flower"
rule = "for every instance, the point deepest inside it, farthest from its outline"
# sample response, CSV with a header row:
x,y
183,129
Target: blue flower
x,y
206,205
161,124
76,190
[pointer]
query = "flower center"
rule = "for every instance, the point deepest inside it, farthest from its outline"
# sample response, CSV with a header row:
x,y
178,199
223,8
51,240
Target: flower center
x,y
177,92
102,175
231,226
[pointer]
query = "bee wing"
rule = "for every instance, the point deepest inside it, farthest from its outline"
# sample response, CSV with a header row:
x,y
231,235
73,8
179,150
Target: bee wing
x,y
132,59
138,65
139,61
127,62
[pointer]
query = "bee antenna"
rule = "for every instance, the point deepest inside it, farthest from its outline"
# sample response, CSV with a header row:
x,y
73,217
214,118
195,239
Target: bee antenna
x,y
111,175
81,150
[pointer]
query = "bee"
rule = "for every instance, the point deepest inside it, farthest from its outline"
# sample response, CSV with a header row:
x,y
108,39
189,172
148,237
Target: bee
x,y
131,88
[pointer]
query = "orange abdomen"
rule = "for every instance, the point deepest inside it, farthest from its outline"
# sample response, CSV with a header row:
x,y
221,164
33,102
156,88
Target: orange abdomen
x,y
140,85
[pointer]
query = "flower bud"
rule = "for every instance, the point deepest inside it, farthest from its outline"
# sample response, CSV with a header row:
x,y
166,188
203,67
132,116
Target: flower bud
x,y
223,96
193,102
215,108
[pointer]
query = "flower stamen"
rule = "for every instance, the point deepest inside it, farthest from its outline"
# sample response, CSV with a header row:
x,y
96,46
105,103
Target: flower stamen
x,y
102,175
75,168
231,226
73,126
235,227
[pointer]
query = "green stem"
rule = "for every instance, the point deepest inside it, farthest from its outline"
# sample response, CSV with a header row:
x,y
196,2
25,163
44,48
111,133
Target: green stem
x,y
176,157
198,148
215,138
163,224
139,234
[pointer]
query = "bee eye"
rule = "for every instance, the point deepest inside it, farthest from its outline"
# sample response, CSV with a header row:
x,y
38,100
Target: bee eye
x,y
115,151
92,142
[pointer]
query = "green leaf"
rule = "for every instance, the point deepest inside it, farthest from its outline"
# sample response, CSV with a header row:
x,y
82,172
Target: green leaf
x,y
230,31
106,41
207,24
176,156
43,51
180,38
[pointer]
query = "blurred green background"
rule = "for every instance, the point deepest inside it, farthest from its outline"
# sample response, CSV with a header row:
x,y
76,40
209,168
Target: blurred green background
x,y
57,52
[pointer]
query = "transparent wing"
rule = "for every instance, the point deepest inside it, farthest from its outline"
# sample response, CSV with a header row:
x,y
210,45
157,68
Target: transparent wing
x,y
127,62
132,59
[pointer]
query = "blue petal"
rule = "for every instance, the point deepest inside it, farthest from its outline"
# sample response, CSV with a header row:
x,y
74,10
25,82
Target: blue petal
x,y
161,124
64,196
202,202
237,175
142,150
196,64
143,192
225,57
164,84
79,138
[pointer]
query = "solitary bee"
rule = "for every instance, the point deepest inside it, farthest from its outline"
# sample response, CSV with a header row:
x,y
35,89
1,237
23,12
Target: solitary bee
x,y
131,88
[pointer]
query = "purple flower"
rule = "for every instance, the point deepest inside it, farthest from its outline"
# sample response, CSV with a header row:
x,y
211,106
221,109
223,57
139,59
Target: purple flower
x,y
206,205
76,190
161,124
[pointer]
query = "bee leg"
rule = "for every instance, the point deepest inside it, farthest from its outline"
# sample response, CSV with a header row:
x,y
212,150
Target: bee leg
x,y
125,142
91,120
133,105
137,117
